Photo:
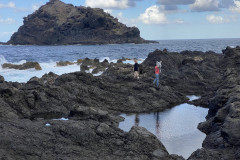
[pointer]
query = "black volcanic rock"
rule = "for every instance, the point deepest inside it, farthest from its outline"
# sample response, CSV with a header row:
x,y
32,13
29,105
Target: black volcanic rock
x,y
91,104
57,23
28,129
223,121
23,66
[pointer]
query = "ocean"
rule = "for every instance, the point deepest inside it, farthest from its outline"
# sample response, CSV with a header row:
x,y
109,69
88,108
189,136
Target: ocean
x,y
47,56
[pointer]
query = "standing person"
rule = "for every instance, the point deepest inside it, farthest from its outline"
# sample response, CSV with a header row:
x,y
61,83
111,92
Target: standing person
x,y
157,72
159,65
135,69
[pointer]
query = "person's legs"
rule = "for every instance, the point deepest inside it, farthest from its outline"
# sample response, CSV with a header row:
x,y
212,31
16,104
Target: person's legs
x,y
154,81
157,77
134,74
137,73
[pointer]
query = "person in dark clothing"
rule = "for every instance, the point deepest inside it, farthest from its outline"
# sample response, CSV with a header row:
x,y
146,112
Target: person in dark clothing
x,y
135,69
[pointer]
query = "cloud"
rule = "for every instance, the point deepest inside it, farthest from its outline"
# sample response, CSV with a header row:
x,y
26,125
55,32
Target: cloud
x,y
152,15
36,6
236,7
110,4
170,7
9,5
215,19
7,21
219,19
108,11
179,21
205,5
226,3
175,2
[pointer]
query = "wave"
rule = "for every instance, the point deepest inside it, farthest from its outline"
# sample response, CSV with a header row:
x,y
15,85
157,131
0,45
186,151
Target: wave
x,y
108,59
2,61
131,61
50,66
24,75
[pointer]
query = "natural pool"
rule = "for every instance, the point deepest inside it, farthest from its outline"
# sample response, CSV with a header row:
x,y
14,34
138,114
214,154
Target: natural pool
x,y
176,128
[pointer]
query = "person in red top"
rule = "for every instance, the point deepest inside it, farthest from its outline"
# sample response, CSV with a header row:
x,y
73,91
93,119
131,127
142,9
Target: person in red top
x,y
157,72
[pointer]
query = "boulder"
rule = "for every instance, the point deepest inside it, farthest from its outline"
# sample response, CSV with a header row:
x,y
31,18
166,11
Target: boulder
x,y
64,63
120,61
104,63
84,68
79,61
24,66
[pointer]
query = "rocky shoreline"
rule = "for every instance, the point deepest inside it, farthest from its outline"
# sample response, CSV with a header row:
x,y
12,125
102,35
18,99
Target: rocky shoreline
x,y
28,112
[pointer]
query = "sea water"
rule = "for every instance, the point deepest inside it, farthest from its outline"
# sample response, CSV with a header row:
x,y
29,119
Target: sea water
x,y
176,128
47,56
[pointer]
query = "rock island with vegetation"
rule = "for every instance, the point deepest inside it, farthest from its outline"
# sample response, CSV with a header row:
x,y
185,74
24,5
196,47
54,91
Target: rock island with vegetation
x,y
57,23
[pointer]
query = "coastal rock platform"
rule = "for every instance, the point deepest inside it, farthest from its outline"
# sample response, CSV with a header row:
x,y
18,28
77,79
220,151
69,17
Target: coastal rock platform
x,y
76,115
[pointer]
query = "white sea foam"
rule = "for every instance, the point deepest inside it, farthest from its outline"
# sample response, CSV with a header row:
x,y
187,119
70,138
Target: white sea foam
x,y
90,70
20,62
126,62
107,58
24,75
50,66
2,61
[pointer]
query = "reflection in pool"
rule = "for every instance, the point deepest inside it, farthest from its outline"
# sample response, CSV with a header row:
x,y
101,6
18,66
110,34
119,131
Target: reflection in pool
x,y
176,128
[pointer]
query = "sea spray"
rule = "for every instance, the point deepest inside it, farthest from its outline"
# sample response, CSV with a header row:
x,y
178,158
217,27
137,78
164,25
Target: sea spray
x,y
2,61
50,66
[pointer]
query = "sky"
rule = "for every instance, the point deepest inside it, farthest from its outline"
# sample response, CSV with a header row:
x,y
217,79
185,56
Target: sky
x,y
156,19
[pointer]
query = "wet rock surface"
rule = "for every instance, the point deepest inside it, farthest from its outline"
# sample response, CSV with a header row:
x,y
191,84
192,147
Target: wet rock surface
x,y
57,23
64,63
24,66
91,104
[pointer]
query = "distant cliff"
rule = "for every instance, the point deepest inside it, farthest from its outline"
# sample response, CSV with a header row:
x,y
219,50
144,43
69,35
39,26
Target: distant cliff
x,y
57,23
2,43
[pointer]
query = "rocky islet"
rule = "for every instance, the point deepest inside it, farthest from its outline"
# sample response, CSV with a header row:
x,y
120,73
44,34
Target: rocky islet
x,y
57,23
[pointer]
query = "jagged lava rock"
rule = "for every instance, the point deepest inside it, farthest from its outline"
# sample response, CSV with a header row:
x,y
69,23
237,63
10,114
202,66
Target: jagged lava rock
x,y
223,120
57,23
23,66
